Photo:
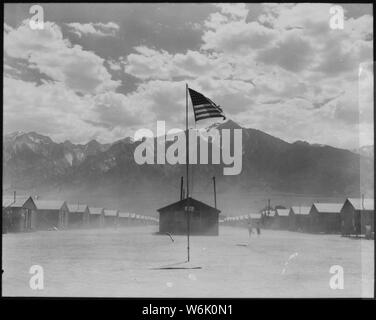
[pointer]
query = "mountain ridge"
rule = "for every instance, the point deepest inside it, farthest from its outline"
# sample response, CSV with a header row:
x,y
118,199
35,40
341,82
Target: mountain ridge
x,y
229,124
96,171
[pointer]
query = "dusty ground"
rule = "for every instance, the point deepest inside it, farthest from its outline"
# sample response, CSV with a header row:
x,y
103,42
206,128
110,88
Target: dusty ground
x,y
119,263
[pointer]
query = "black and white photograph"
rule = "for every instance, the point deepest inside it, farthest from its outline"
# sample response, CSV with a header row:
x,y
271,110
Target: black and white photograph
x,y
188,150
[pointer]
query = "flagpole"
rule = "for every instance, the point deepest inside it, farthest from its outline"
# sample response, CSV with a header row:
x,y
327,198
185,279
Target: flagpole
x,y
187,166
187,137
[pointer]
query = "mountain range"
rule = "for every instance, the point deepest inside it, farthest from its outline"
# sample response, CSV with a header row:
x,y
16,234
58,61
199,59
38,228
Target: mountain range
x,y
107,175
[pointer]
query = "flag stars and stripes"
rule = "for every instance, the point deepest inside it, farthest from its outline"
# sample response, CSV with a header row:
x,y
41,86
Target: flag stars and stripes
x,y
203,107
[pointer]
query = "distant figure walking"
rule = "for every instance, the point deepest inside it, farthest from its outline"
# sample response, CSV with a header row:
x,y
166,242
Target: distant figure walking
x,y
249,228
258,228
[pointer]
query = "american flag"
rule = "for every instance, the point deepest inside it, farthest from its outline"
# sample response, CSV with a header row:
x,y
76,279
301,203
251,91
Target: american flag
x,y
203,107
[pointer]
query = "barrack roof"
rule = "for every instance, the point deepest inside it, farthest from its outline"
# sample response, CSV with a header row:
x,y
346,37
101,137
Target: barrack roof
x,y
49,204
328,207
81,208
362,204
301,210
11,203
93,210
283,212
110,213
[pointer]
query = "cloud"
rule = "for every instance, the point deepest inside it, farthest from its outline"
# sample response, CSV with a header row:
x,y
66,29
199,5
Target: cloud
x,y
331,52
7,28
234,10
280,75
118,110
238,37
149,63
165,100
283,71
47,51
55,110
293,121
49,109
94,29
114,65
227,31
356,105
291,52
338,58
313,17
360,28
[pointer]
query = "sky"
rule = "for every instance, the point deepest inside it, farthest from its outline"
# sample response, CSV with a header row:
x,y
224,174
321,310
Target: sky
x,y
102,71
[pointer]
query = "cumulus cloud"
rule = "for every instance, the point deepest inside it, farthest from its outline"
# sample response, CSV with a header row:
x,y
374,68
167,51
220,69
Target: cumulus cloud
x,y
47,51
284,71
339,58
294,121
227,31
234,10
272,71
332,52
118,110
95,29
149,63
55,110
314,17
50,109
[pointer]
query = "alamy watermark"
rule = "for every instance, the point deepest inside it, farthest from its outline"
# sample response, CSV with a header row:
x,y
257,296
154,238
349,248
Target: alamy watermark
x,y
225,150
336,281
337,17
37,20
36,281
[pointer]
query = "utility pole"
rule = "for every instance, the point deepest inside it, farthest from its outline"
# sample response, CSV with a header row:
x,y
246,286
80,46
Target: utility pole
x,y
215,193
181,187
